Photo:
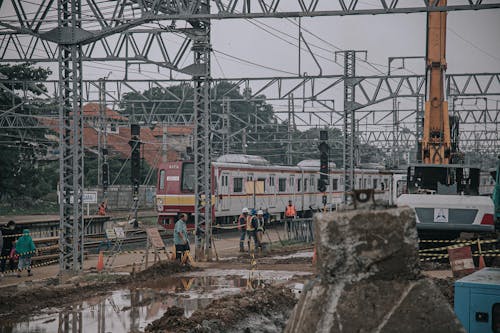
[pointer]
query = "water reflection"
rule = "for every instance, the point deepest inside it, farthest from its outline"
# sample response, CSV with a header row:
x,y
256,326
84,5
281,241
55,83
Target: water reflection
x,y
130,310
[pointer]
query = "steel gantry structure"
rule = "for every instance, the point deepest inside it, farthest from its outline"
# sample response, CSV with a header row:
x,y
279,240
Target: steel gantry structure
x,y
87,30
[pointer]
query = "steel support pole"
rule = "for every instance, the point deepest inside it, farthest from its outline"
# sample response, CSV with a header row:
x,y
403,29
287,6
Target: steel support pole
x,y
71,141
419,121
349,121
203,136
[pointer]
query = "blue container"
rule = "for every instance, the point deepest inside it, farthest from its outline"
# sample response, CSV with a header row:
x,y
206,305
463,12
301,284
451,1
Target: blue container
x,y
477,301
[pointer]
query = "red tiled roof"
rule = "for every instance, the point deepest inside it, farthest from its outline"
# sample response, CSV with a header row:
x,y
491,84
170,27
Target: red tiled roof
x,y
118,143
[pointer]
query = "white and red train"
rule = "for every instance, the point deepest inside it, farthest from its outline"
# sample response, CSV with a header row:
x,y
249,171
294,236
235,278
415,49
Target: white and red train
x,y
251,181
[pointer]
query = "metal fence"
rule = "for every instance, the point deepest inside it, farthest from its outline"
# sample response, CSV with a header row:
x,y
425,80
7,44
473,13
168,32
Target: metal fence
x,y
120,197
300,230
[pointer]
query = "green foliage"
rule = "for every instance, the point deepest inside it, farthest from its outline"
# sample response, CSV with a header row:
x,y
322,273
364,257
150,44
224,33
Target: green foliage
x,y
23,176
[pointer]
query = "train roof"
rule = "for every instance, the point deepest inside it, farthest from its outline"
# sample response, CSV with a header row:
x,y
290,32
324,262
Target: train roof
x,y
243,159
314,164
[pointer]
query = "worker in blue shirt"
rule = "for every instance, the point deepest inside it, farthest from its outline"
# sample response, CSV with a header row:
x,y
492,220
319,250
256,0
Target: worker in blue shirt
x,y
181,240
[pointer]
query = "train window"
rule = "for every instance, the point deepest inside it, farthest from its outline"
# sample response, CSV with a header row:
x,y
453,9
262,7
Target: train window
x,y
299,182
375,183
335,184
364,183
271,181
162,179
263,180
237,185
341,180
305,185
282,184
187,177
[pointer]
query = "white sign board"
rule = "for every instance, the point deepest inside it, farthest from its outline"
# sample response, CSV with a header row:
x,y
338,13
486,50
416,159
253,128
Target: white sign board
x,y
441,215
89,197
120,233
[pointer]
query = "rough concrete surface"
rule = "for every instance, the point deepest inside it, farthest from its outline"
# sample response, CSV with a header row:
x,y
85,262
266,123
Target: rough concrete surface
x,y
369,278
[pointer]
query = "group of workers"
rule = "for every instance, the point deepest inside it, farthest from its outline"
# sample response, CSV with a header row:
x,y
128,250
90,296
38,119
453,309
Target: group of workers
x,y
16,246
251,226
250,223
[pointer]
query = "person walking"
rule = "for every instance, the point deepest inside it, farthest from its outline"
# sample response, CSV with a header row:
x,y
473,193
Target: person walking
x,y
242,227
259,227
9,236
25,249
181,240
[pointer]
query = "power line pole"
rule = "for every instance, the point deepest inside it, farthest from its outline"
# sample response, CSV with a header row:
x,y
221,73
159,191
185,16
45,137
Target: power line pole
x,y
226,125
291,122
395,132
202,138
350,106
102,141
70,137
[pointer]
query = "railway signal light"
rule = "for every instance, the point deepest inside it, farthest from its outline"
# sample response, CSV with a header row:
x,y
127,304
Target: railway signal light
x,y
324,150
105,176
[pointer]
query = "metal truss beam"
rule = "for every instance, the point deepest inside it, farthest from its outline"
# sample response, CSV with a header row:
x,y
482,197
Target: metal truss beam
x,y
370,90
470,140
105,19
136,47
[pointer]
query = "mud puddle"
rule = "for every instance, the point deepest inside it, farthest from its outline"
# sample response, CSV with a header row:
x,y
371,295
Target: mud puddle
x,y
131,309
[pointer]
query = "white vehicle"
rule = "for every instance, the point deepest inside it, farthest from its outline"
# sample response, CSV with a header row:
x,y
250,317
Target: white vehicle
x,y
446,200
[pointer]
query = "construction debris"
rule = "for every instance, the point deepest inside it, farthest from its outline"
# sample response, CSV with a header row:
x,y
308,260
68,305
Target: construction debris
x,y
369,279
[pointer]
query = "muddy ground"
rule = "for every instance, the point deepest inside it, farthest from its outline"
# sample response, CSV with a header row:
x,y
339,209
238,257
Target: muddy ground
x,y
29,298
263,310
25,300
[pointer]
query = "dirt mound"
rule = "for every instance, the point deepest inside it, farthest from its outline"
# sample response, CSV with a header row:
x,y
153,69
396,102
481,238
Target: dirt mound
x,y
232,313
162,269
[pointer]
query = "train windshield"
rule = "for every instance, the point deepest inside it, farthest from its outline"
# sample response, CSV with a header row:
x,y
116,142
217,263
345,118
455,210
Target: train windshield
x,y
188,177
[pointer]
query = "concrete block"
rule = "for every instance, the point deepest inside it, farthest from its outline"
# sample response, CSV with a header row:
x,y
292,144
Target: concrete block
x,y
369,278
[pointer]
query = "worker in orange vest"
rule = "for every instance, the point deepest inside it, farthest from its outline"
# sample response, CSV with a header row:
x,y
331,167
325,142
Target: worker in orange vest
x,y
102,208
290,214
290,211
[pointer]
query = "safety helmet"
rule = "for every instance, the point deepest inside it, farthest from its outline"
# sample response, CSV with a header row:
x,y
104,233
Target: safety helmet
x,y
260,212
244,210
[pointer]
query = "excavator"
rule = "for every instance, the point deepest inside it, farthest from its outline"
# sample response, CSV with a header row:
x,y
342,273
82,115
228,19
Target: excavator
x,y
443,191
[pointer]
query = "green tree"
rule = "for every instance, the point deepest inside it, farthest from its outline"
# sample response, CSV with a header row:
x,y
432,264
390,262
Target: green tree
x,y
24,177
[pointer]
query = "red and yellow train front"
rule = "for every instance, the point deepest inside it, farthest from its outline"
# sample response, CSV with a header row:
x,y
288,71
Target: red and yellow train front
x,y
174,192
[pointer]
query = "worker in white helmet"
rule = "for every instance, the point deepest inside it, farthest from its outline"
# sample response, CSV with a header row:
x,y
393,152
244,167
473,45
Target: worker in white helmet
x,y
242,227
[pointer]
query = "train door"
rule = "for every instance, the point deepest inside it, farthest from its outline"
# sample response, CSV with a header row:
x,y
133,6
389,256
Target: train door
x,y
291,191
249,189
398,187
224,193
272,191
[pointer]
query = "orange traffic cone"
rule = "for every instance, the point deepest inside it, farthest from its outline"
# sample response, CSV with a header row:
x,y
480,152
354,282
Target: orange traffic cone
x,y
100,262
482,264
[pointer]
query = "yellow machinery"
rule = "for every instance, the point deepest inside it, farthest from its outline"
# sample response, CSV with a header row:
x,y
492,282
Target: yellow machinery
x,y
436,141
